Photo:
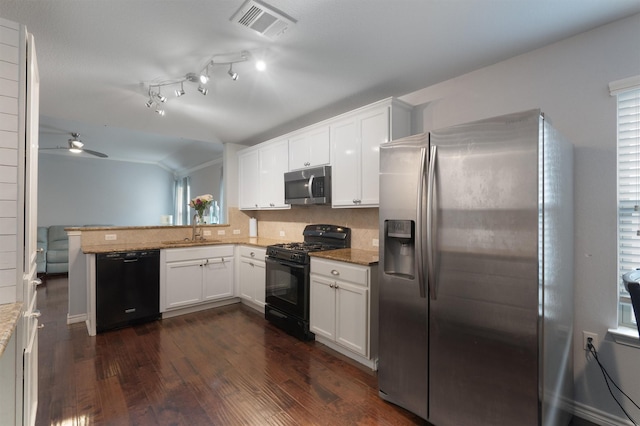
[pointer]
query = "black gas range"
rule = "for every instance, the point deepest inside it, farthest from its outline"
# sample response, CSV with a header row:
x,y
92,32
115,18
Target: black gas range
x,y
287,277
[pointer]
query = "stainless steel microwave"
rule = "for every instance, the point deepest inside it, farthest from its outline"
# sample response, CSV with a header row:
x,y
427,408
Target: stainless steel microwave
x,y
308,186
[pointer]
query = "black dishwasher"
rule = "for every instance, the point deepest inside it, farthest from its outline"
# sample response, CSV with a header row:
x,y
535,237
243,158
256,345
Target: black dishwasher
x,y
127,288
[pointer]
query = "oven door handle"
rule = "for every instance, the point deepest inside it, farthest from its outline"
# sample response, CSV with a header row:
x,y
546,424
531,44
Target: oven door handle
x,y
284,262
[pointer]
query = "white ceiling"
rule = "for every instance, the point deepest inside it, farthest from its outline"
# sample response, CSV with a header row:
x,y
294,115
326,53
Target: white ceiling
x,y
97,57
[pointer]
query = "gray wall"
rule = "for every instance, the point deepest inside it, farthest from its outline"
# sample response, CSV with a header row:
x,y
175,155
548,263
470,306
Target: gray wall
x,y
81,191
569,82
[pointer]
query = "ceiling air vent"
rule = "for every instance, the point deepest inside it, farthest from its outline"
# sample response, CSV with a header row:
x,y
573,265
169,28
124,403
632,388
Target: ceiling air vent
x,y
263,19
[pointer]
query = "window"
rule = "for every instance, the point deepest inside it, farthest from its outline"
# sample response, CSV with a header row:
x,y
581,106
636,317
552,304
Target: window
x,y
628,112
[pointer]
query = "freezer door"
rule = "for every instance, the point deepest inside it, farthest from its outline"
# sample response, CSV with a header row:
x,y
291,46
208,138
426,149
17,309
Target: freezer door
x,y
483,329
403,357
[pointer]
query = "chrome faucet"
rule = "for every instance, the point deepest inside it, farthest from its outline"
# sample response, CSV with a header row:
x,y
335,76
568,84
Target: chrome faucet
x,y
195,233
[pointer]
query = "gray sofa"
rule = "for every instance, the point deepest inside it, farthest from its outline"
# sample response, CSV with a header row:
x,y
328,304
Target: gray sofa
x,y
54,257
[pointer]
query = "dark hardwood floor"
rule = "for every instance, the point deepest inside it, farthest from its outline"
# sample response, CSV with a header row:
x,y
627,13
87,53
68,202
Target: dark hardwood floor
x,y
225,366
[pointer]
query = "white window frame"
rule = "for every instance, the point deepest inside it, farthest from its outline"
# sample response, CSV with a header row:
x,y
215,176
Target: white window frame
x,y
628,198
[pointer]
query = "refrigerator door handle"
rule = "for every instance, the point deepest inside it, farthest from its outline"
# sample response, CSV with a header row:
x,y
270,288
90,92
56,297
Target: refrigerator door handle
x,y
430,251
419,245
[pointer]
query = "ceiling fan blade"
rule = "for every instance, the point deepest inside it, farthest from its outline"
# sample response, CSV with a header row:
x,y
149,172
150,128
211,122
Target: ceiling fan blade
x,y
96,153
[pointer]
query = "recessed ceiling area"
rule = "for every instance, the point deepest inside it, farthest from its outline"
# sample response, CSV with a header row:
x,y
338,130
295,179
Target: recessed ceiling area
x,y
98,57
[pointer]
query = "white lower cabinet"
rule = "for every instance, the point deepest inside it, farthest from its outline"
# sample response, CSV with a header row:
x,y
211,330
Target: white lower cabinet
x,y
251,276
343,312
192,276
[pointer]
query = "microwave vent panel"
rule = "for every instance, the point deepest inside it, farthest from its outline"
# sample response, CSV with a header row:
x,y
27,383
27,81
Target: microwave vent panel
x,y
263,19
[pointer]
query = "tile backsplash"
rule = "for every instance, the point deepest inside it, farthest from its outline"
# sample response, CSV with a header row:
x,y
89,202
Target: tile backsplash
x,y
363,222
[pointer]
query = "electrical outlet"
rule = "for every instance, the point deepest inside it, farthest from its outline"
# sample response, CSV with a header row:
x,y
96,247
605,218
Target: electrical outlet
x,y
282,233
594,340
221,232
206,233
110,237
375,242
236,232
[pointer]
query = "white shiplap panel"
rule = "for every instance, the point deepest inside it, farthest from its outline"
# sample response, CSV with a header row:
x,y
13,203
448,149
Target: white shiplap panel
x,y
8,105
9,122
8,157
9,88
8,259
7,243
8,225
8,71
8,139
8,191
9,53
8,174
8,208
10,25
8,277
7,294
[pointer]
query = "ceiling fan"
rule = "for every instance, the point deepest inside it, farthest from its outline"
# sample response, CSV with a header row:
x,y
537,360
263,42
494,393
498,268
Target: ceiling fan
x,y
76,146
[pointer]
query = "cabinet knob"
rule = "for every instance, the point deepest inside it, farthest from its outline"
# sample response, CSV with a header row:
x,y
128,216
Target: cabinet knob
x,y
41,326
252,254
337,286
334,272
40,250
36,282
330,285
35,314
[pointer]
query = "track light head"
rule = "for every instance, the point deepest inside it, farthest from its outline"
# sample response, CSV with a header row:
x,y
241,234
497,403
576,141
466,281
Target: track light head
x,y
150,103
161,98
234,75
180,92
204,76
160,112
203,90
261,65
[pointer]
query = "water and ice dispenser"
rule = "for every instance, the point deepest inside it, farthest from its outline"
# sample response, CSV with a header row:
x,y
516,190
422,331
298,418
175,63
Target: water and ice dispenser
x,y
399,248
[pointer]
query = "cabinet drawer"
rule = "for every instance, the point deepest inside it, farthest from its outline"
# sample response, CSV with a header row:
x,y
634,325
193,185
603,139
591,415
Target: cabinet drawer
x,y
203,252
340,271
253,252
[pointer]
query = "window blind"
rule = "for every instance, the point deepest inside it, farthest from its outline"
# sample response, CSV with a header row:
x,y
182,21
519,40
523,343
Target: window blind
x,y
628,194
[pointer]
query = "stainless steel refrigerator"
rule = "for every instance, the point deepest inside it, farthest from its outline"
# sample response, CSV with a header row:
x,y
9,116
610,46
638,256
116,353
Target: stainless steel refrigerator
x,y
476,273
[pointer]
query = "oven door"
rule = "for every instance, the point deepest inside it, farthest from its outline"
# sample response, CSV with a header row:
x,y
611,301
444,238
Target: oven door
x,y
287,287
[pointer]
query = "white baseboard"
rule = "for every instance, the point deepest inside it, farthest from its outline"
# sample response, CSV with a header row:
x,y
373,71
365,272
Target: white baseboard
x,y
202,307
371,363
72,319
598,417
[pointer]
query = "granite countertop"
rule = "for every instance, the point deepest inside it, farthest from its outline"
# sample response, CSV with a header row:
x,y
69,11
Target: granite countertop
x,y
111,248
357,256
9,315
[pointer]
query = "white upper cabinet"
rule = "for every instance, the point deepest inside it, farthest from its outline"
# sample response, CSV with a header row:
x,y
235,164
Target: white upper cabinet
x,y
355,151
261,176
309,148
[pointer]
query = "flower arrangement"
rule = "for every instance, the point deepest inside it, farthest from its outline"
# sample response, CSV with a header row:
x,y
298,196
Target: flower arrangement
x,y
200,204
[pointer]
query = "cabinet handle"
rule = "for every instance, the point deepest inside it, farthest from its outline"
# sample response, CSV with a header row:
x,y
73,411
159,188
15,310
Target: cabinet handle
x,y
334,272
36,282
35,314
41,326
330,285
251,264
40,250
252,254
337,286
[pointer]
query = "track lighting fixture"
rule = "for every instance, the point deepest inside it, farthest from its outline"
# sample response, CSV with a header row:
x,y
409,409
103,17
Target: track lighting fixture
x,y
234,75
201,78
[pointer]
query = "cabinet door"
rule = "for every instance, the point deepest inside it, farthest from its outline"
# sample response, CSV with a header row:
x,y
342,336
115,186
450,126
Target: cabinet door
x,y
183,283
218,278
245,278
322,307
345,178
259,272
374,130
248,180
309,149
273,164
351,317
